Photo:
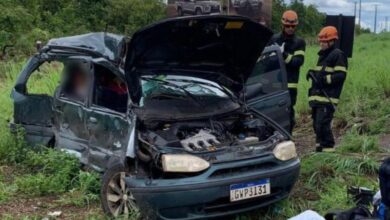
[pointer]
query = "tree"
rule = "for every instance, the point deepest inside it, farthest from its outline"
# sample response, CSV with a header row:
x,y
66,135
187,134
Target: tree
x,y
310,19
22,22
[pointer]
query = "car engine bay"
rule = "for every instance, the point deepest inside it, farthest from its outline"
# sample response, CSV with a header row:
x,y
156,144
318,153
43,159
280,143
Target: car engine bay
x,y
198,136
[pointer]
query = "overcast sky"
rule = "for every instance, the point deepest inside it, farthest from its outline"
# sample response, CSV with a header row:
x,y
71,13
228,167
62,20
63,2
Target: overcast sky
x,y
346,7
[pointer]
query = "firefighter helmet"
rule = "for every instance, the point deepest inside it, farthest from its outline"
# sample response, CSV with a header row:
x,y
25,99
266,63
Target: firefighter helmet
x,y
328,33
290,17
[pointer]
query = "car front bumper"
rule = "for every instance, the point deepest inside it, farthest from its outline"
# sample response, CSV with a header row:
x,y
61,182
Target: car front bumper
x,y
208,194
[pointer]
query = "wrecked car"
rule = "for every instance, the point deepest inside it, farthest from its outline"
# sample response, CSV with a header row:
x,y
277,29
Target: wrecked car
x,y
187,119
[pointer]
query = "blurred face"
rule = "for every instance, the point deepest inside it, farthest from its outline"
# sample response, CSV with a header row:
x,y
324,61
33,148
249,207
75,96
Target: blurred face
x,y
289,29
326,44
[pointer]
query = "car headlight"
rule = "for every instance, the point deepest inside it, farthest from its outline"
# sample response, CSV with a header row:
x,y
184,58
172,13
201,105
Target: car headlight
x,y
285,150
183,163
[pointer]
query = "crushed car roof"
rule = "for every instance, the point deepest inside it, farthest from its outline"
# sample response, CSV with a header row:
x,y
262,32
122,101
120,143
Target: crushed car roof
x,y
108,45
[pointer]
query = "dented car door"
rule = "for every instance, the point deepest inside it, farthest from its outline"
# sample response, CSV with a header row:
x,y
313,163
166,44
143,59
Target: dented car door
x,y
108,135
69,109
107,119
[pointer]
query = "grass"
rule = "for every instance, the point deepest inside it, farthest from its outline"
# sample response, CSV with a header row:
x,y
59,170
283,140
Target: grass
x,y
39,171
363,114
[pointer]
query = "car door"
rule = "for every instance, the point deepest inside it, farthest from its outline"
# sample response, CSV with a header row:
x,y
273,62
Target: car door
x,y
108,123
32,110
266,88
70,107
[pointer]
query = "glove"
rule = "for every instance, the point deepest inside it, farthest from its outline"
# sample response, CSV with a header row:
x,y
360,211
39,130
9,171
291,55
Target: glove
x,y
318,78
309,75
282,48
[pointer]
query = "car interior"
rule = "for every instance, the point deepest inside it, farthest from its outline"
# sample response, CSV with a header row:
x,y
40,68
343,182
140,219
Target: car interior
x,y
109,90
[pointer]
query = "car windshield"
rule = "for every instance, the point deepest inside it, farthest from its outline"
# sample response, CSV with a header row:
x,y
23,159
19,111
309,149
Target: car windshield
x,y
181,86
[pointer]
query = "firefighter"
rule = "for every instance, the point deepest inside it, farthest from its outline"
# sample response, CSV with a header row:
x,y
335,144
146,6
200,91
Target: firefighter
x,y
293,50
327,82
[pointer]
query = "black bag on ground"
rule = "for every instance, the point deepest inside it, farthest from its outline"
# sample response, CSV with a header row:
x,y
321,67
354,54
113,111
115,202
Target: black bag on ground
x,y
384,181
356,213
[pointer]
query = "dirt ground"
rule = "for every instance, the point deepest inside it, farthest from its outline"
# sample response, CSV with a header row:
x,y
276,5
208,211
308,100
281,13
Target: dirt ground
x,y
304,136
40,207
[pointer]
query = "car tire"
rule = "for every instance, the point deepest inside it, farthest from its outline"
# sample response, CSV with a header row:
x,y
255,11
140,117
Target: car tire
x,y
116,198
198,11
180,12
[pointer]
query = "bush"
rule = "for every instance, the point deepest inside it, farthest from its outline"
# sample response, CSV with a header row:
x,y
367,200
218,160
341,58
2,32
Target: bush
x,y
51,171
24,22
86,188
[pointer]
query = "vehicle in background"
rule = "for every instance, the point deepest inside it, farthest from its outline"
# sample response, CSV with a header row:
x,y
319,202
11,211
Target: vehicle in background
x,y
197,7
247,4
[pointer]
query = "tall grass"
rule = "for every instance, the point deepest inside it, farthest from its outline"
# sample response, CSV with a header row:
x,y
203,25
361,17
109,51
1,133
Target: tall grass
x,y
41,171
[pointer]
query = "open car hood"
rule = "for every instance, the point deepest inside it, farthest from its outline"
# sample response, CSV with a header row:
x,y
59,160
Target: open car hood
x,y
220,48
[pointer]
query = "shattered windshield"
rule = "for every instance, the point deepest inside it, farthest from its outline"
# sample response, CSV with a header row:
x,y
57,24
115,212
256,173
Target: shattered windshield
x,y
180,86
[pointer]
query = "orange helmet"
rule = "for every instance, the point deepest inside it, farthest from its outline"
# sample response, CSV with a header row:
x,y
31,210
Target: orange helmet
x,y
328,33
290,17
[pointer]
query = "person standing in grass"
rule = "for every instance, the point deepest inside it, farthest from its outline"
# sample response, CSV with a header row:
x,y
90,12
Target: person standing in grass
x,y
327,83
293,50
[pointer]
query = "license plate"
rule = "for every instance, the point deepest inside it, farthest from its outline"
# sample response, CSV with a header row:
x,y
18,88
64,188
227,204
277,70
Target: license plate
x,y
250,190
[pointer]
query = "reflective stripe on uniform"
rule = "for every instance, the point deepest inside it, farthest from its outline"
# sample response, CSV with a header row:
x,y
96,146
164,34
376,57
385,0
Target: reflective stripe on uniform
x,y
340,68
288,58
327,69
318,68
330,69
296,53
329,79
292,85
299,52
323,99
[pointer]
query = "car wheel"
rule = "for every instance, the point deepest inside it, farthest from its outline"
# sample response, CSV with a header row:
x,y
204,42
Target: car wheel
x,y
179,12
117,200
198,11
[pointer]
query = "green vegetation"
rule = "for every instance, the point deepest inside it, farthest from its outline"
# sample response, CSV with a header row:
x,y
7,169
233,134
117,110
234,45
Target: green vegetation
x,y
310,19
27,172
362,116
22,22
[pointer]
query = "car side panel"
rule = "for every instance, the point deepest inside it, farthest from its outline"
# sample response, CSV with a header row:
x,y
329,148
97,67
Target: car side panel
x,y
274,106
71,132
189,7
108,135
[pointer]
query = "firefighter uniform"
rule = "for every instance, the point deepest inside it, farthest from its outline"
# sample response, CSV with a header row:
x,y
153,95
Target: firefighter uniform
x,y
294,54
327,83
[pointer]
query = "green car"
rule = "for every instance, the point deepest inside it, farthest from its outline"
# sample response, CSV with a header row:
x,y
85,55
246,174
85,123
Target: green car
x,y
186,120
